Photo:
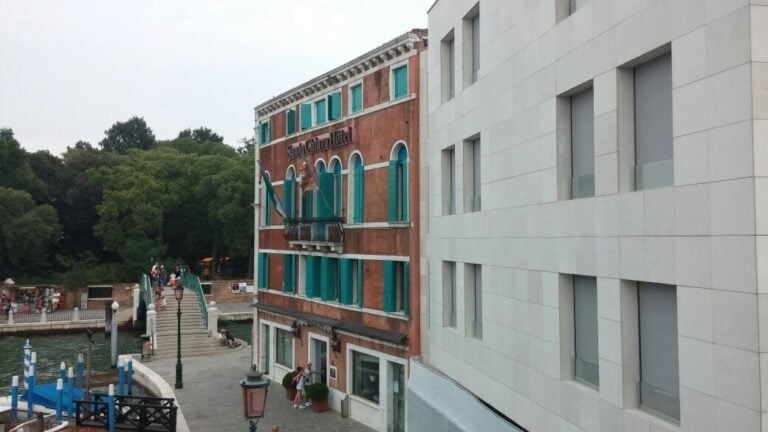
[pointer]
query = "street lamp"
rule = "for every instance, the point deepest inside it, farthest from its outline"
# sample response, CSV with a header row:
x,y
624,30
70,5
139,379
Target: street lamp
x,y
178,292
255,388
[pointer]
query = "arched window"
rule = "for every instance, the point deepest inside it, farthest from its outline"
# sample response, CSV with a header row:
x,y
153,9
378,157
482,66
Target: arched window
x,y
398,184
265,204
337,193
320,166
289,192
355,188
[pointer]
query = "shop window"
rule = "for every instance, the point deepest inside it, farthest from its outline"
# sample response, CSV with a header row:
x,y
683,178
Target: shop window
x,y
284,348
365,376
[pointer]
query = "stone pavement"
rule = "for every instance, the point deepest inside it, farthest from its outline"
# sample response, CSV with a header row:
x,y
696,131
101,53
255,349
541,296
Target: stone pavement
x,y
210,399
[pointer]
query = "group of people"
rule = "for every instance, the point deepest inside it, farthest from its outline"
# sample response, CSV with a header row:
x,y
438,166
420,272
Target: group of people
x,y
29,300
300,382
161,278
227,337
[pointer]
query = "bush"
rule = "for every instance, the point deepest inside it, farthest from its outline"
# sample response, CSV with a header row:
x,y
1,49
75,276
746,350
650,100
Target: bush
x,y
317,391
287,378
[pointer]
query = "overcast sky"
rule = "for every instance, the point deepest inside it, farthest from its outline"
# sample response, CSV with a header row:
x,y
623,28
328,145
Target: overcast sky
x,y
70,69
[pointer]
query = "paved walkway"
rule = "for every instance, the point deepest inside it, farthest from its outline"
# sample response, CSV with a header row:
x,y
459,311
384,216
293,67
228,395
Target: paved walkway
x,y
210,399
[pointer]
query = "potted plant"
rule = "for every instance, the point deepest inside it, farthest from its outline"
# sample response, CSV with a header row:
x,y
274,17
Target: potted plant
x,y
290,389
318,394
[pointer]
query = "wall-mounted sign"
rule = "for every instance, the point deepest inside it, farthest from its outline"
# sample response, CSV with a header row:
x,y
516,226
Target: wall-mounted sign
x,y
321,142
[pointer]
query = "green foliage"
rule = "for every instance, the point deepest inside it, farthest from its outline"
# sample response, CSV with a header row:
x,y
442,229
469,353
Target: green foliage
x,y
317,391
15,168
28,233
201,135
132,134
287,378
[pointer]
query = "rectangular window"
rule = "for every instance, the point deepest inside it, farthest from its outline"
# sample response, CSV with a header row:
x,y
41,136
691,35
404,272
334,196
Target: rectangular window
x,y
99,292
472,175
265,132
473,281
654,166
334,106
659,372
301,283
321,116
400,80
471,45
356,96
583,144
585,362
449,294
357,282
365,376
290,121
448,67
306,116
263,270
284,348
449,180
395,286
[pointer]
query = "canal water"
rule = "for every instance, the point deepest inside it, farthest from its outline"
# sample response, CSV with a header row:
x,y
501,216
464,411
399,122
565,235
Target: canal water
x,y
54,348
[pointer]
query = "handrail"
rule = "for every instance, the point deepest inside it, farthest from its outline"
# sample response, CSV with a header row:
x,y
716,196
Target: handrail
x,y
145,290
192,282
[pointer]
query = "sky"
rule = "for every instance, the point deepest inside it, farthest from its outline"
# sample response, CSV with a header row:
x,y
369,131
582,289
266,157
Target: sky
x,y
70,69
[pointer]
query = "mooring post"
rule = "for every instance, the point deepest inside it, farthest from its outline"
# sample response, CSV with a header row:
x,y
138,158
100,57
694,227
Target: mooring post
x,y
120,376
43,316
76,314
31,391
15,396
10,316
71,392
63,371
59,398
27,363
80,368
130,376
115,307
111,408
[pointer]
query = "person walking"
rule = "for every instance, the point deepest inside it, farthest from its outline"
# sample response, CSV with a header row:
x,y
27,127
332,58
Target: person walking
x,y
307,377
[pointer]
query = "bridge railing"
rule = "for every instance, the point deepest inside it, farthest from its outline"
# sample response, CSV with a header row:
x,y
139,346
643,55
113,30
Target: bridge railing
x,y
192,283
132,413
145,290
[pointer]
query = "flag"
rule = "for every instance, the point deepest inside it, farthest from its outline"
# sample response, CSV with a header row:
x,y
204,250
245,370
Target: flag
x,y
308,177
271,195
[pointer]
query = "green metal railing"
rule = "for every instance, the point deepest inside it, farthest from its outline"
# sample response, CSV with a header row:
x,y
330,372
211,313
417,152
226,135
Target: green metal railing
x,y
192,283
145,291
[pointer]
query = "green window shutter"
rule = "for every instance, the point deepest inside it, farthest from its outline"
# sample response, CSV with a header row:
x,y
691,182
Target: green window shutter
x,y
406,288
325,203
320,113
360,283
269,131
334,106
325,278
290,121
346,283
389,286
288,274
309,287
401,81
405,190
392,202
357,98
267,208
359,193
317,273
263,270
305,116
338,196
288,190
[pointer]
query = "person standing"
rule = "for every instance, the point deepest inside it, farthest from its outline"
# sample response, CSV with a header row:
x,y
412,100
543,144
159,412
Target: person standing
x,y
307,377
298,381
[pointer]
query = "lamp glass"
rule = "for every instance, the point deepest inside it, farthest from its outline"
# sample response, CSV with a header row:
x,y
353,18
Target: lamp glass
x,y
178,292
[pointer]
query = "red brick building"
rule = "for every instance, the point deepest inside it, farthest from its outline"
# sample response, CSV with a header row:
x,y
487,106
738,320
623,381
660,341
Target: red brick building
x,y
338,277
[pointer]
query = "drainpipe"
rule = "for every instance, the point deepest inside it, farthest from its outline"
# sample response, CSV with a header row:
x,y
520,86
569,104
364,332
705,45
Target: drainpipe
x,y
255,357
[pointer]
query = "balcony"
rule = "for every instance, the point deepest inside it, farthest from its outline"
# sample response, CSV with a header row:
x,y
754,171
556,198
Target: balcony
x,y
318,233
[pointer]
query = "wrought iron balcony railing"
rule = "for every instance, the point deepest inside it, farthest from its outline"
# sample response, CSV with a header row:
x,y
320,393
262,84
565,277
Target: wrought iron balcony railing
x,y
318,231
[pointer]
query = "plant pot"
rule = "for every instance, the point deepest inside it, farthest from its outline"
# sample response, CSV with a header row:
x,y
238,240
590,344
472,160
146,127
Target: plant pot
x,y
290,393
320,406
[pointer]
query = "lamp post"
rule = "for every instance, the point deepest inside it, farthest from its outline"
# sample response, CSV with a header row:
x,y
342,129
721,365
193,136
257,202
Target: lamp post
x,y
255,388
178,292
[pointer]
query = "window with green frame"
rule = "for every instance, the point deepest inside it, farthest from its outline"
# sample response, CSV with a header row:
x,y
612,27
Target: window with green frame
x,y
398,186
305,116
263,270
334,106
351,277
265,132
355,197
289,273
400,78
321,116
396,286
290,121
356,96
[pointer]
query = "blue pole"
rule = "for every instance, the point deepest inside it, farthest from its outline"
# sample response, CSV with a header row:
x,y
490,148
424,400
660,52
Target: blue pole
x,y
31,390
59,398
63,371
120,376
27,363
15,396
111,408
130,376
80,369
71,393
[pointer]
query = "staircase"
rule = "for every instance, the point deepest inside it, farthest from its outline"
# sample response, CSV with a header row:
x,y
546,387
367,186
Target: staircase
x,y
194,336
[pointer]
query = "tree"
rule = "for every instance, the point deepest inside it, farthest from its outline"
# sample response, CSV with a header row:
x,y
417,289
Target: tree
x,y
15,168
133,134
201,135
28,233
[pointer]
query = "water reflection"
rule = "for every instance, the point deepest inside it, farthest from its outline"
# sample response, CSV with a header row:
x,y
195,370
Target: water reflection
x,y
55,348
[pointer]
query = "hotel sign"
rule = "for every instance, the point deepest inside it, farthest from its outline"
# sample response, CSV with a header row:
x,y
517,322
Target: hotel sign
x,y
321,142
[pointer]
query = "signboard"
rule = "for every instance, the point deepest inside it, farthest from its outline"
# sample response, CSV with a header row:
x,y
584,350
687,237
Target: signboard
x,y
321,142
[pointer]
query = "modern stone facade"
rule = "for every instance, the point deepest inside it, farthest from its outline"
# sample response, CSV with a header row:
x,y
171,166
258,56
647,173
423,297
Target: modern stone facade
x,y
338,277
621,278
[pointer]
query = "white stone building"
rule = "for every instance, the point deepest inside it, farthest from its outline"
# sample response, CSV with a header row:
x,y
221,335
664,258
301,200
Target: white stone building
x,y
594,255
